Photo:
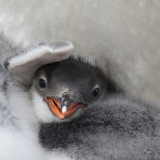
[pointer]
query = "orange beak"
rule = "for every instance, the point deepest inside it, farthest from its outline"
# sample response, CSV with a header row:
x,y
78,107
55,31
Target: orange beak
x,y
56,108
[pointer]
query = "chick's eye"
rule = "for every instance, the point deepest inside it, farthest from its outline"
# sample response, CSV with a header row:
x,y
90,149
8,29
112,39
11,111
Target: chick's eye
x,y
42,83
95,92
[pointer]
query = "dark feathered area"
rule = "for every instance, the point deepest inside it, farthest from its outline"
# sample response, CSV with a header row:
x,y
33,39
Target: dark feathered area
x,y
116,127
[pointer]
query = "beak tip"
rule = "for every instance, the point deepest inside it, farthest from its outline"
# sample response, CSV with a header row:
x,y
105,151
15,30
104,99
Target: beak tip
x,y
61,116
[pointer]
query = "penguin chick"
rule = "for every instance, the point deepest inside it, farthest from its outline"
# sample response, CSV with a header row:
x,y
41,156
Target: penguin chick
x,y
62,90
112,126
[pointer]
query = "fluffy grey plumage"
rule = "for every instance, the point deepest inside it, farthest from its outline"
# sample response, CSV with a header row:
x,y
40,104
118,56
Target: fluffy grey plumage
x,y
18,125
112,126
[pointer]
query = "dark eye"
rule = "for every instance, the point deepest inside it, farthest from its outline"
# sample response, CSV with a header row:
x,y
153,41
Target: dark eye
x,y
42,83
95,92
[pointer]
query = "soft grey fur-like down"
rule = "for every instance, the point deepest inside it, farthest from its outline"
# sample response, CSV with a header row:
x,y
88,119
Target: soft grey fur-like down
x,y
18,125
114,127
